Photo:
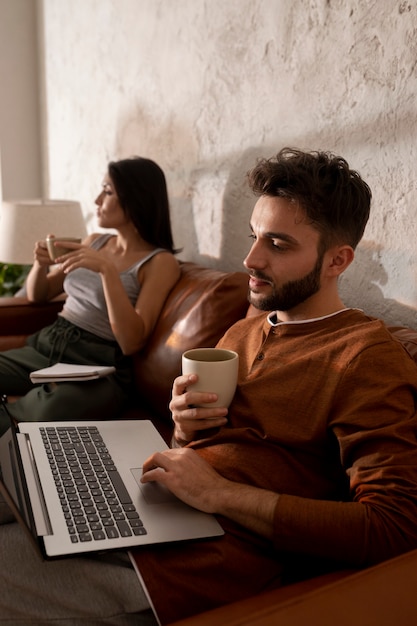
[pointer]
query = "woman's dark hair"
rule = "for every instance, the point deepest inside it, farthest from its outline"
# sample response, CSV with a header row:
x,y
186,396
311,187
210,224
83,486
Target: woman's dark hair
x,y
335,198
142,192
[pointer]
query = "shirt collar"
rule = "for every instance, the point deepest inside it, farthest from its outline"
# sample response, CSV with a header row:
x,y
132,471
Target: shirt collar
x,y
274,321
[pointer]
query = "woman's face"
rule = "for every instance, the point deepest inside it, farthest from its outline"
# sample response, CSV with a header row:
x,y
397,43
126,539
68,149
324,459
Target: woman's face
x,y
109,212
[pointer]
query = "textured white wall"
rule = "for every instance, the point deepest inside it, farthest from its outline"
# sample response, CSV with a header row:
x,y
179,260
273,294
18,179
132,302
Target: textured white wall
x,y
205,87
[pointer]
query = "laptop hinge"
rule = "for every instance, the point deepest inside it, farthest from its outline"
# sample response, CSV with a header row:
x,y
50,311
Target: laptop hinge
x,y
37,500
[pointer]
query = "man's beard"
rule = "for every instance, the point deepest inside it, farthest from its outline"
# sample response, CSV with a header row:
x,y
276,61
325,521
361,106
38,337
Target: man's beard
x,y
292,293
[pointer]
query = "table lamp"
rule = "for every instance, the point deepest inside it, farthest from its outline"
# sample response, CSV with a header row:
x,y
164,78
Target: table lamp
x,y
23,222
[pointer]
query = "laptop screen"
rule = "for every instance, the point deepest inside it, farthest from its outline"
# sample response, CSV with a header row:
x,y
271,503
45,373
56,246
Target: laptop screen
x,y
13,485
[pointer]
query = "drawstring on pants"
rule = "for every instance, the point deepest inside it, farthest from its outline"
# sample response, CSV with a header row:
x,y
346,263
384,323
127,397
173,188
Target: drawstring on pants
x,y
61,334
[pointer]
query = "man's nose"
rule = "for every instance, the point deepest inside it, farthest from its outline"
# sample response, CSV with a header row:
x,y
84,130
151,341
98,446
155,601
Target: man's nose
x,y
255,259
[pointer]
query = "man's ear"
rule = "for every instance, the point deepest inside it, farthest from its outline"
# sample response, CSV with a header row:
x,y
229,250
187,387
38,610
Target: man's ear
x,y
338,259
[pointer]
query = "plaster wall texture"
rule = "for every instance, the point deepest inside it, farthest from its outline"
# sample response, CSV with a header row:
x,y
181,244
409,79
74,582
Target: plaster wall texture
x,y
205,87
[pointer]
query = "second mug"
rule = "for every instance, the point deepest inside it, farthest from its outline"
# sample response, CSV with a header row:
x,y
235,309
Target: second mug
x,y
217,371
56,251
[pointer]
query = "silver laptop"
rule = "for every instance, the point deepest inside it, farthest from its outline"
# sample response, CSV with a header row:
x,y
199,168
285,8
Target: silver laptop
x,y
76,488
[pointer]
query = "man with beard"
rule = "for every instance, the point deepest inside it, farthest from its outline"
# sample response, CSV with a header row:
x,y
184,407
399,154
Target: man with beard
x,y
314,466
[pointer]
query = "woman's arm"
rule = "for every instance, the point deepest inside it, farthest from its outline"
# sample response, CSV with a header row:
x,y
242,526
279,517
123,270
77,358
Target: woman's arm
x,y
41,284
133,325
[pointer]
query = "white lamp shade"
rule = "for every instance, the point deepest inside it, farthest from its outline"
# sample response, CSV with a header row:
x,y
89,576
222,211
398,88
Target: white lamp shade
x,y
24,222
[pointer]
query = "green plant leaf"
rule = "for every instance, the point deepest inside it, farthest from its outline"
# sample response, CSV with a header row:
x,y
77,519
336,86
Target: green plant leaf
x,y
12,278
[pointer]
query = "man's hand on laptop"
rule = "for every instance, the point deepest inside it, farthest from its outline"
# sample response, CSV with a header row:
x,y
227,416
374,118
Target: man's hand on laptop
x,y
197,483
188,417
187,476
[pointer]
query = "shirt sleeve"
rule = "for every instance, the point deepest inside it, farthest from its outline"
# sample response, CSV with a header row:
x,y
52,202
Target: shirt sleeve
x,y
375,423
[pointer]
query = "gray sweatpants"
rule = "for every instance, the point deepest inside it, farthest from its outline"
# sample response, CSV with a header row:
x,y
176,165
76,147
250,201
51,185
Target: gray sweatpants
x,y
98,590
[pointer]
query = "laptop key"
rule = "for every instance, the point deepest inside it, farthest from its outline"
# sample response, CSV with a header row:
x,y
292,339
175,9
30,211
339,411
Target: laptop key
x,y
99,535
82,530
112,532
136,523
132,515
119,487
124,529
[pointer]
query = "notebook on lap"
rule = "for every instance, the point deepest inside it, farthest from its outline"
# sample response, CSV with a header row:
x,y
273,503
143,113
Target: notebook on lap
x,y
76,488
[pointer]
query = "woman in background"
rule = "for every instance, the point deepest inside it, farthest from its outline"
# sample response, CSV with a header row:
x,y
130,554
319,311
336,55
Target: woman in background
x,y
116,286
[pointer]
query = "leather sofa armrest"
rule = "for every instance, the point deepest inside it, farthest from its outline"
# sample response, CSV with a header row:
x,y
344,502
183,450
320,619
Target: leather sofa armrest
x,y
262,607
383,594
20,317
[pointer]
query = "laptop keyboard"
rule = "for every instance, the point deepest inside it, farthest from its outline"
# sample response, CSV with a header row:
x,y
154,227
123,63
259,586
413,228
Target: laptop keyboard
x,y
94,499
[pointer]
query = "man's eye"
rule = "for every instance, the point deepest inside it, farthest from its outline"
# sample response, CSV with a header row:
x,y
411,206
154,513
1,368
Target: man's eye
x,y
277,246
252,236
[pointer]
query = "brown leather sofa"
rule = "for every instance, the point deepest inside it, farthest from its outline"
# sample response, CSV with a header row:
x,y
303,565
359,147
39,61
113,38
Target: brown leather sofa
x,y
199,309
202,305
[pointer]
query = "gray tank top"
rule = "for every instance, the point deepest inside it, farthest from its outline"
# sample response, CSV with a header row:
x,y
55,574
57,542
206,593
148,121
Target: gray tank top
x,y
85,305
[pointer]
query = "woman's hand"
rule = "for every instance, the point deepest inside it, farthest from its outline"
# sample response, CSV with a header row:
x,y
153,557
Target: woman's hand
x,y
43,283
41,254
82,256
188,417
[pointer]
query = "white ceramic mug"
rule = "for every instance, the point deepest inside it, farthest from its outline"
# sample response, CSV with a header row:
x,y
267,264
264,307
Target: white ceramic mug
x,y
56,251
217,371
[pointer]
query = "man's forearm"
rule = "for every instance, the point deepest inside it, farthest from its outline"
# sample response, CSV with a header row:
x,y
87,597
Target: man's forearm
x,y
250,507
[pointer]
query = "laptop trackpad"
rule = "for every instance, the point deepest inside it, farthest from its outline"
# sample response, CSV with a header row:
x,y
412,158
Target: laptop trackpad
x,y
154,493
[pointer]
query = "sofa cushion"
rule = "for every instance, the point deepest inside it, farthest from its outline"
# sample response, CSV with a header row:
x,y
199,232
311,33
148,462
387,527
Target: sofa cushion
x,y
200,308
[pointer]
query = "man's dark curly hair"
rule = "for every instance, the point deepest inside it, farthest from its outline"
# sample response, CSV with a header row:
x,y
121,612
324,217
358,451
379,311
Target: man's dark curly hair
x,y
335,198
